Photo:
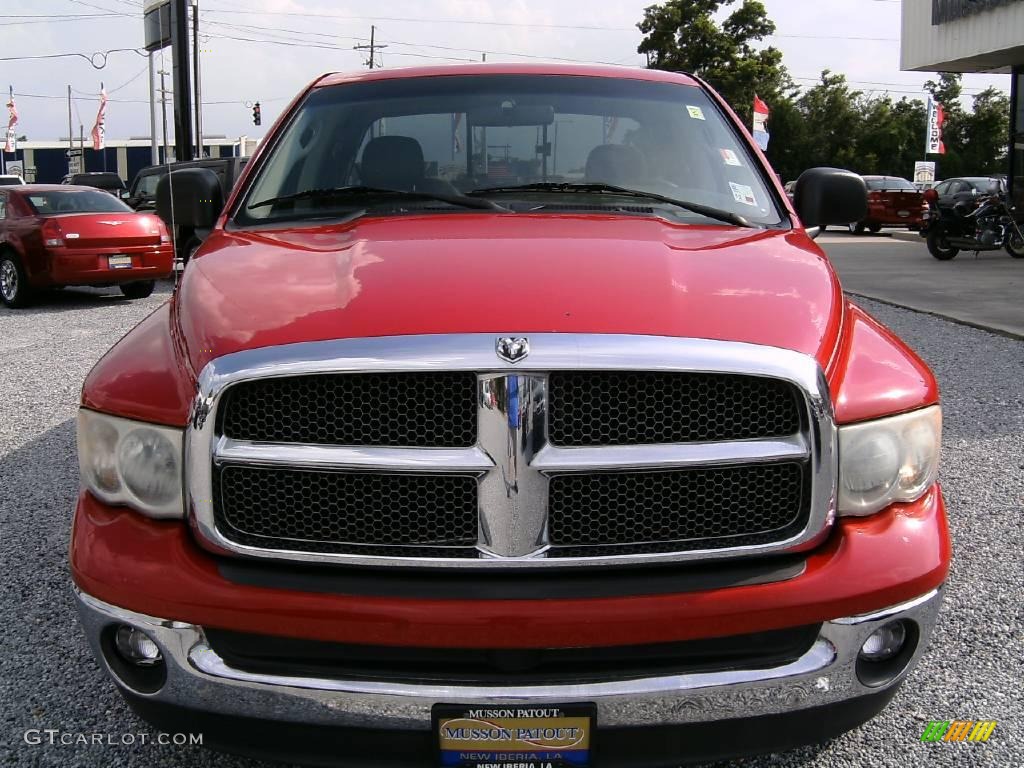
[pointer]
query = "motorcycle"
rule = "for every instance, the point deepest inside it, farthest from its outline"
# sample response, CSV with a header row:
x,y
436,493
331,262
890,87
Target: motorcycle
x,y
982,223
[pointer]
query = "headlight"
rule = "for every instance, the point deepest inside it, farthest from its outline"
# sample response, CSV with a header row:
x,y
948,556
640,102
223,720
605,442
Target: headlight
x,y
130,462
888,460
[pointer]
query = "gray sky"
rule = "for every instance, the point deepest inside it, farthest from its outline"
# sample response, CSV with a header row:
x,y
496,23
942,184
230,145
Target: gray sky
x,y
859,38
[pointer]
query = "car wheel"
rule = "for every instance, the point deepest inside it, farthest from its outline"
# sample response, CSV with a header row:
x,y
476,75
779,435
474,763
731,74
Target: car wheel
x,y
1015,245
875,228
14,288
139,290
856,228
939,248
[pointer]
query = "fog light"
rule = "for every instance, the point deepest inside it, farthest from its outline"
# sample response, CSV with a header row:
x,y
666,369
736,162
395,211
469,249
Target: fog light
x,y
885,642
136,647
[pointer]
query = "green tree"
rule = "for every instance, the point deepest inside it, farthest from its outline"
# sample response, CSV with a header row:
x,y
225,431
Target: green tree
x,y
891,136
683,36
986,134
833,122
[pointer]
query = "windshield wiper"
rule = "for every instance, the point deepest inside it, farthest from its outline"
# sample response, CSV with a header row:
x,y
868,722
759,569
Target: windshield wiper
x,y
610,189
362,194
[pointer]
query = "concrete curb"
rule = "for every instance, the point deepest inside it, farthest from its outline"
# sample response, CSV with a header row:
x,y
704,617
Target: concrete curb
x,y
933,313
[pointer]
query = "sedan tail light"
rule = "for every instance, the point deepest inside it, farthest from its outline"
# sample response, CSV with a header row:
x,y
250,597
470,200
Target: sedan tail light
x,y
53,236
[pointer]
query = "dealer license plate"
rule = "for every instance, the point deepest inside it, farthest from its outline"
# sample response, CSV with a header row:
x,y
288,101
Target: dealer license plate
x,y
903,213
499,736
119,262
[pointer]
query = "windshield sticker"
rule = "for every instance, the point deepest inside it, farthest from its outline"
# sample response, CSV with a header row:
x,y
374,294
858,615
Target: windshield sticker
x,y
741,193
729,157
695,112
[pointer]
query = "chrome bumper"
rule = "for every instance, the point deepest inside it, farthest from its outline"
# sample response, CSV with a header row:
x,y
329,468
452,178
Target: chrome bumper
x,y
197,678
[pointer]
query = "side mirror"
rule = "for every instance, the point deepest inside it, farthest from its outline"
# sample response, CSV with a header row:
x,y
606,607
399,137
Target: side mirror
x,y
825,196
191,197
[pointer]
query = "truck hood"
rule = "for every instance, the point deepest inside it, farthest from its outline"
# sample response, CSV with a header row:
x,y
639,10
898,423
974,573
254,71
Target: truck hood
x,y
507,274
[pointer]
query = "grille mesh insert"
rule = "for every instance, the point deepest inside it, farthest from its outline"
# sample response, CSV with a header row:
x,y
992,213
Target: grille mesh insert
x,y
387,409
340,511
676,510
631,408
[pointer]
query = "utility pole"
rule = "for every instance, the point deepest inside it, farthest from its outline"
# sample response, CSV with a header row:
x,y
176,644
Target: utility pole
x,y
199,87
154,153
71,134
372,47
163,105
182,80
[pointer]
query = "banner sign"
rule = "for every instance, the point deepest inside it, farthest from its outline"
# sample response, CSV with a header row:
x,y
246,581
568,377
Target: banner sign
x,y
98,130
933,133
761,113
924,170
11,144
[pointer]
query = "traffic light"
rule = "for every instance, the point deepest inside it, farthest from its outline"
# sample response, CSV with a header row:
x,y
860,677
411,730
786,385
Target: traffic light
x,y
256,119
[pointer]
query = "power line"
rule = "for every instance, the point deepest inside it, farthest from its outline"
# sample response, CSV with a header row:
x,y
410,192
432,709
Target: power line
x,y
90,57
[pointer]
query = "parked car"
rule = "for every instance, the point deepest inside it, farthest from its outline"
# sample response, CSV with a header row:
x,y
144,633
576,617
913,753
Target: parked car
x,y
416,451
143,192
966,188
108,182
10,179
55,235
892,202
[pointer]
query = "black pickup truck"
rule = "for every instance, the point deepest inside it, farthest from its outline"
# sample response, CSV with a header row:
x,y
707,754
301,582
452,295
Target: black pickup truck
x,y
142,196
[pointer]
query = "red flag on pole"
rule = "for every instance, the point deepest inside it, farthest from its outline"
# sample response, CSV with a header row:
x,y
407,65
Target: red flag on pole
x,y
98,129
11,143
760,126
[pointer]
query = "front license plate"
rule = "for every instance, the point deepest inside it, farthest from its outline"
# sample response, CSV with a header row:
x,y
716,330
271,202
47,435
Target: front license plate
x,y
904,213
490,736
119,262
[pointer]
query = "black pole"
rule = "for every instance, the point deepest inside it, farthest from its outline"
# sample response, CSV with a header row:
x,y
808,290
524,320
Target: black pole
x,y
198,85
182,81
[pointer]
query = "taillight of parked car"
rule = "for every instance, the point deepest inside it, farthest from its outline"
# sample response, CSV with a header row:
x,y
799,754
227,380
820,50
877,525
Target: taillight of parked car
x,y
53,235
158,228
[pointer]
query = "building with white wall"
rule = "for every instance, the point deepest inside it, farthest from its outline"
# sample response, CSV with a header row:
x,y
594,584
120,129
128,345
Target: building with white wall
x,y
972,36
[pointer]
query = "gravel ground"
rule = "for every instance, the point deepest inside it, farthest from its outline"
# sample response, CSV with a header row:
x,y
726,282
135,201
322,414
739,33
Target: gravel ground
x,y
48,679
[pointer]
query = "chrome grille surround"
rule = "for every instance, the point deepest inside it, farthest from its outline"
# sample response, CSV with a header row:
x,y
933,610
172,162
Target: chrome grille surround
x,y
513,458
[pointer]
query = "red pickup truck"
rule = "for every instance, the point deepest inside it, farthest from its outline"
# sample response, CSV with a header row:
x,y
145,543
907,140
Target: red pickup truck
x,y
509,415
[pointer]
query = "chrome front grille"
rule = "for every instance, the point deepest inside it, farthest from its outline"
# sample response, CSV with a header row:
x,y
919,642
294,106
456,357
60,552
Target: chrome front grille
x,y
284,462
426,410
343,511
640,407
677,510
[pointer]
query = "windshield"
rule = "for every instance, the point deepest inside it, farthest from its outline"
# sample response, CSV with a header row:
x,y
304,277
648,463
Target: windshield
x,y
458,134
985,185
891,183
75,201
145,186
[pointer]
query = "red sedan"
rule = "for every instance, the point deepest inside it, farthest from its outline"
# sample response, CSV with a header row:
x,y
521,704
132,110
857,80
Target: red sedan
x,y
892,202
55,235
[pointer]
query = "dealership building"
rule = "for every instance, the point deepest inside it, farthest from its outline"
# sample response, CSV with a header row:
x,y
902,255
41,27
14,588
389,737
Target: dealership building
x,y
47,162
972,36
